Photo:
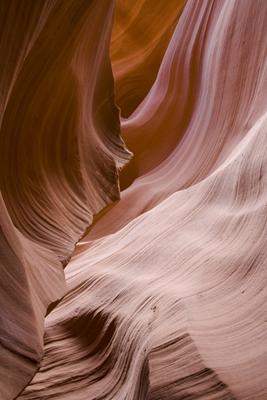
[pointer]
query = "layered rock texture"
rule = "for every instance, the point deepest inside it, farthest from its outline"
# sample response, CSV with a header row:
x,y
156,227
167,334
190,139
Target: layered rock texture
x,y
133,144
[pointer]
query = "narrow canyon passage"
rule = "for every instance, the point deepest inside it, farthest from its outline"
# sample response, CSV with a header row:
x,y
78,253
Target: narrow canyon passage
x,y
133,175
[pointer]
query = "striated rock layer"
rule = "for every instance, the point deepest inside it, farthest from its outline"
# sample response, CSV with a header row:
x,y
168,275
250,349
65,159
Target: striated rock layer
x,y
60,151
172,306
165,295
207,95
31,279
60,144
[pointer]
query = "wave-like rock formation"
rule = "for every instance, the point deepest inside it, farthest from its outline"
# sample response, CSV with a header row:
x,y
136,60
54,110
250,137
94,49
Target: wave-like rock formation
x,y
60,154
142,30
165,293
203,102
31,279
60,145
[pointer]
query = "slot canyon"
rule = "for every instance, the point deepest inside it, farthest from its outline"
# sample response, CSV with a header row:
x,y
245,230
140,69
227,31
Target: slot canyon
x,y
133,153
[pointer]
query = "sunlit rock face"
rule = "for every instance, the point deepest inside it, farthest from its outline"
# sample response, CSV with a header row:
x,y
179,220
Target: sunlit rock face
x,y
163,295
